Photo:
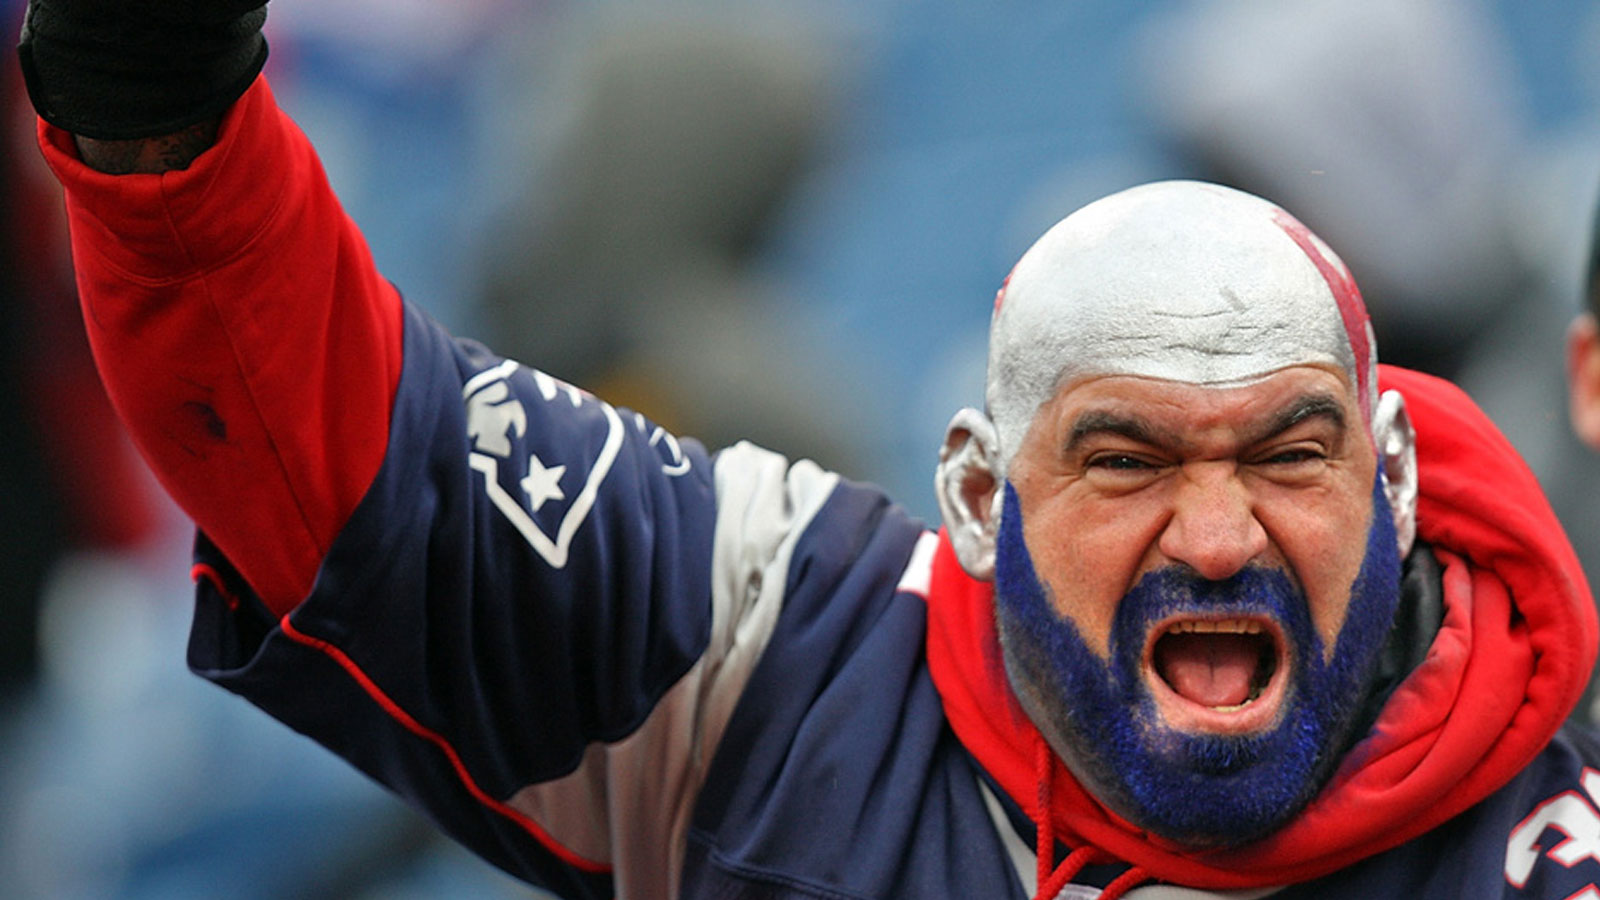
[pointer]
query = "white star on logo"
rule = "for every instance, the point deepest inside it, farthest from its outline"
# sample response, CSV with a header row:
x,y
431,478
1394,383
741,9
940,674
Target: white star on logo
x,y
543,484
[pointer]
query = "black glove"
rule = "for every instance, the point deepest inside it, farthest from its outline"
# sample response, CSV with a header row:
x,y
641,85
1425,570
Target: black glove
x,y
125,69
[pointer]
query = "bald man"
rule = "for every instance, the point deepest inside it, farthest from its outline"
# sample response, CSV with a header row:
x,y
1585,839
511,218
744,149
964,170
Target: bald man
x,y
1219,609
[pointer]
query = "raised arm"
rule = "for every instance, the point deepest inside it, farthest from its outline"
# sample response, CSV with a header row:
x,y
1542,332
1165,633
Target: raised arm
x,y
237,319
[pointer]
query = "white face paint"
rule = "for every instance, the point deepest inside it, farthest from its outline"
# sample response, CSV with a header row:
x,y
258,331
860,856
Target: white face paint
x,y
1178,280
1181,281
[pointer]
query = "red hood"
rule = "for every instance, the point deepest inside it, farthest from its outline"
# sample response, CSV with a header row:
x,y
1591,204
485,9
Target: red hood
x,y
1517,612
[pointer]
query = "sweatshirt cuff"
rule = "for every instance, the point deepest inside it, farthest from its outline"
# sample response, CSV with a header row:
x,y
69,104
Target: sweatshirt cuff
x,y
181,223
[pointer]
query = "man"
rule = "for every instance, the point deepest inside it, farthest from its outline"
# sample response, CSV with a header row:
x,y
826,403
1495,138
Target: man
x,y
1213,607
1583,354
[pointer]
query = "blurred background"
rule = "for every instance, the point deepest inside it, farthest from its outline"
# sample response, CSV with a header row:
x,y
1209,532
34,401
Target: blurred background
x,y
759,219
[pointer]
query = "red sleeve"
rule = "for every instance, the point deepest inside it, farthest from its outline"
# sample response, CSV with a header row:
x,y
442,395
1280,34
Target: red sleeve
x,y
245,336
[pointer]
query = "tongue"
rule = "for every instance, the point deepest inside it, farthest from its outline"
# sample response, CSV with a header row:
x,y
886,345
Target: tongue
x,y
1209,669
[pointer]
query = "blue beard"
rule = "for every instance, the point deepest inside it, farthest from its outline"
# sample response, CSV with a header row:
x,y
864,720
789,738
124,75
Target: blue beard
x,y
1099,716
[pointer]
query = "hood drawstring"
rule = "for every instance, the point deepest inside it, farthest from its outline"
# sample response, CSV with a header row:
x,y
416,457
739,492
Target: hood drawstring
x,y
1124,883
1051,882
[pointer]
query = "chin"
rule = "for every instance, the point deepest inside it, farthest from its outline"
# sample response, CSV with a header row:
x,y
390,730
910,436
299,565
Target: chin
x,y
1203,759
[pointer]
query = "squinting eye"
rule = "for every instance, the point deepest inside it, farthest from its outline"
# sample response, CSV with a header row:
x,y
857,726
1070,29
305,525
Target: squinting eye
x,y
1119,462
1293,457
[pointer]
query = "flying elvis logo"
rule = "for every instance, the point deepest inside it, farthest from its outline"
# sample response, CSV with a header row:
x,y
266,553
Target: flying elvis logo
x,y
1575,817
496,423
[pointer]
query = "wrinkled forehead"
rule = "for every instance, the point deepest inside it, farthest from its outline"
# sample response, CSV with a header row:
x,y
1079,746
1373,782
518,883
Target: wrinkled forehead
x,y
1181,281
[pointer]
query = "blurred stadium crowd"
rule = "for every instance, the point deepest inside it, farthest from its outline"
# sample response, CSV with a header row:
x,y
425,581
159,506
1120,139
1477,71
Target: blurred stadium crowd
x,y
766,220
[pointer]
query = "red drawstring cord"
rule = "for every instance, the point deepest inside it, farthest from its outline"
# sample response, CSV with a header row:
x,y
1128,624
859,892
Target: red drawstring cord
x,y
1044,841
1124,883
1051,883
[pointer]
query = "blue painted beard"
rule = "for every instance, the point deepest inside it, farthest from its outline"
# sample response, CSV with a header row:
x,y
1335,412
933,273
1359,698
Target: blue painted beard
x,y
1199,790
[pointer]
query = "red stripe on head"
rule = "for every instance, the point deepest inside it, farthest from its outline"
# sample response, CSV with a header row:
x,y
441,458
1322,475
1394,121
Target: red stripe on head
x,y
1352,309
1000,295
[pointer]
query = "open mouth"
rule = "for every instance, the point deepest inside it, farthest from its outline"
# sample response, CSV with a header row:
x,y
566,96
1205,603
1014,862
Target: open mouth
x,y
1217,674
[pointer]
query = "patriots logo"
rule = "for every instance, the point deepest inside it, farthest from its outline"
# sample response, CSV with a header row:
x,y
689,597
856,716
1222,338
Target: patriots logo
x,y
496,418
1572,818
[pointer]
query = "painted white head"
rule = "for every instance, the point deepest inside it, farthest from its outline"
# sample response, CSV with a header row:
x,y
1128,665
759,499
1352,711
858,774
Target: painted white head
x,y
1179,280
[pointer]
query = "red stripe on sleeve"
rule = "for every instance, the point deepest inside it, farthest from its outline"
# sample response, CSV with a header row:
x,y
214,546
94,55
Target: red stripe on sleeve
x,y
412,725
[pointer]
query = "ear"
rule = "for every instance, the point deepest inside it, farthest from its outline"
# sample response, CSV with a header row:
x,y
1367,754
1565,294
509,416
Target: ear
x,y
1583,378
1396,441
967,483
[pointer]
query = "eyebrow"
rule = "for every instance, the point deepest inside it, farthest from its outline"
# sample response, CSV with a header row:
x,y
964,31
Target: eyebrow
x,y
1136,428
1310,406
1099,421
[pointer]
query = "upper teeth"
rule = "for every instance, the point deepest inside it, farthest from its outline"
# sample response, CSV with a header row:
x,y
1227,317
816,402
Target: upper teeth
x,y
1229,626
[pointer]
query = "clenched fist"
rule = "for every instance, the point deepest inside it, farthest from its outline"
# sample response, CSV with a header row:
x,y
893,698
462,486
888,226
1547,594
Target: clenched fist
x,y
127,69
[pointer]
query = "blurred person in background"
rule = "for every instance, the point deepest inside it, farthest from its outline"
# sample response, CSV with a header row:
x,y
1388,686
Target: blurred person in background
x,y
681,139
1393,126
1583,352
423,94
1583,410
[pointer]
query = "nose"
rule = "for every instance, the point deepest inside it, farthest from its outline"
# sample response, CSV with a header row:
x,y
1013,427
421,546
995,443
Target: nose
x,y
1213,528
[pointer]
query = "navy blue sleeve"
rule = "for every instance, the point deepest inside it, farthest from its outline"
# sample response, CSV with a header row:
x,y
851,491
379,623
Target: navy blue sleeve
x,y
526,579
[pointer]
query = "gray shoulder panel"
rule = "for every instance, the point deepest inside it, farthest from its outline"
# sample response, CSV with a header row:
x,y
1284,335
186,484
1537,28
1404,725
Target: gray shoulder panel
x,y
630,802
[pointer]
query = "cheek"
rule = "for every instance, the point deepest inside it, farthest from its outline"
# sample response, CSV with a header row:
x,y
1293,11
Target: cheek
x,y
1324,548
1088,559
